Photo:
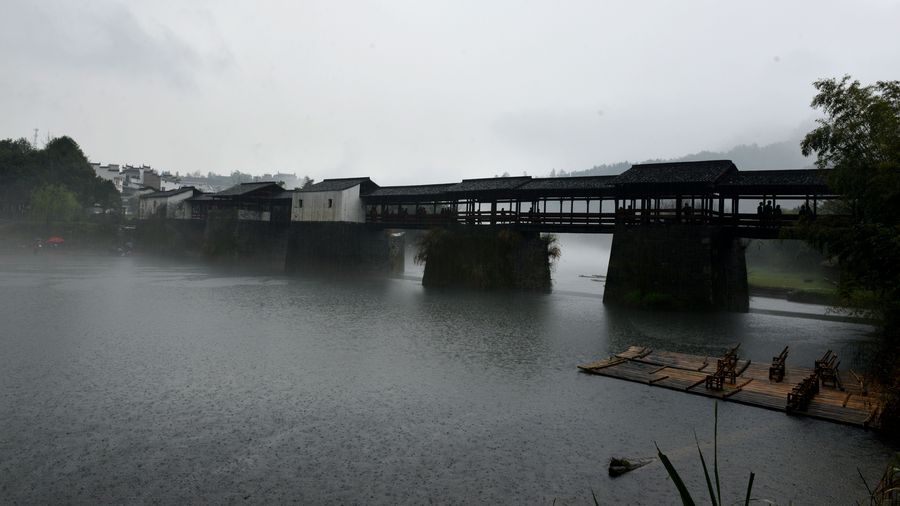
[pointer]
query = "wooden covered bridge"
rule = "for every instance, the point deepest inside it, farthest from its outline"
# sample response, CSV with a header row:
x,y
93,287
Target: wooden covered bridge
x,y
713,192
678,227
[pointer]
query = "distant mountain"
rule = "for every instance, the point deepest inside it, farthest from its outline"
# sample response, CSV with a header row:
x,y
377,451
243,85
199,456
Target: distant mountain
x,y
779,155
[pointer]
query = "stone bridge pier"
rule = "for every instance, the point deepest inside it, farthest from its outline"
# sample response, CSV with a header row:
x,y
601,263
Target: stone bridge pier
x,y
486,258
343,247
689,267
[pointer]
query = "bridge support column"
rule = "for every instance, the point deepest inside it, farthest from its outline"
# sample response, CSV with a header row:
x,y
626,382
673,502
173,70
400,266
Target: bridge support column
x,y
678,267
485,258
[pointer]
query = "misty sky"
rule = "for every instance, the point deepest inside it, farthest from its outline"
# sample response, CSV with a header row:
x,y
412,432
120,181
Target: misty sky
x,y
425,91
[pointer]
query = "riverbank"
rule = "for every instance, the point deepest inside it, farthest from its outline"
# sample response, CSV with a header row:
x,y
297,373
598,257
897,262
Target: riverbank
x,y
96,234
791,285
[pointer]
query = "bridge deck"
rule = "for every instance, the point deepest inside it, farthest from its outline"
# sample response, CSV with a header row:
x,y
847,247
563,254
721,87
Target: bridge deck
x,y
687,373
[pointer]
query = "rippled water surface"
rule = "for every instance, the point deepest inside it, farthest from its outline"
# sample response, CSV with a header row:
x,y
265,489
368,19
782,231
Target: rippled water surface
x,y
136,380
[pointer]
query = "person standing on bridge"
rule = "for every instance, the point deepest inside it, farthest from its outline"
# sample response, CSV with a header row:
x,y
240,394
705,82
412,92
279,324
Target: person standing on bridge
x,y
687,212
805,212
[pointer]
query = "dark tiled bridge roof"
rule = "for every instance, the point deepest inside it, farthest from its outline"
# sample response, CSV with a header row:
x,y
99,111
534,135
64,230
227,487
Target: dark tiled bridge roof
x,y
489,184
567,186
247,188
169,193
775,181
333,185
699,173
657,180
414,191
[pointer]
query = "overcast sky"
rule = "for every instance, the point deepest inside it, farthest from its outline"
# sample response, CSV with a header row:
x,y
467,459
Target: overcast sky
x,y
425,91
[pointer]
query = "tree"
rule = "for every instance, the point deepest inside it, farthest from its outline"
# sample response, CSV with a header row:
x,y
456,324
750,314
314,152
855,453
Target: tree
x,y
52,203
24,169
859,140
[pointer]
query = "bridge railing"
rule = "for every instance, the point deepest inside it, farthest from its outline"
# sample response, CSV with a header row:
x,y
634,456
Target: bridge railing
x,y
505,217
624,217
500,217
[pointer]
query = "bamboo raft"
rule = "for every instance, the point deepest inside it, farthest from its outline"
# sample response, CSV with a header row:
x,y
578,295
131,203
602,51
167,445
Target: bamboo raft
x,y
752,386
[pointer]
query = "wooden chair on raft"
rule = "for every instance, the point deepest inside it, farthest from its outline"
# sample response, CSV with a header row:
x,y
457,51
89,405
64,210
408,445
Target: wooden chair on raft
x,y
725,370
827,370
799,397
776,371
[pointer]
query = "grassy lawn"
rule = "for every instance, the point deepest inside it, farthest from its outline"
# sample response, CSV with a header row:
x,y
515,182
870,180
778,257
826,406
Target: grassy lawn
x,y
773,277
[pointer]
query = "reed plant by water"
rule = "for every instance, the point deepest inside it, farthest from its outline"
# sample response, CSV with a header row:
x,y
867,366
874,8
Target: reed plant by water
x,y
887,492
715,490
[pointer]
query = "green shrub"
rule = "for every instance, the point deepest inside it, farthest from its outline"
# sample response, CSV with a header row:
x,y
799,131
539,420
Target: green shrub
x,y
650,300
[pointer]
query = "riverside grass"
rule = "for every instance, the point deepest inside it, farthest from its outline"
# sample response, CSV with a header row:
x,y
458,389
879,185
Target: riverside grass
x,y
715,493
787,279
886,493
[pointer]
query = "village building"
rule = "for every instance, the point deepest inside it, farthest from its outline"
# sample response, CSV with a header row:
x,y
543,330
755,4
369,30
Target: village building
x,y
131,200
332,200
152,180
169,204
169,182
109,173
139,177
263,201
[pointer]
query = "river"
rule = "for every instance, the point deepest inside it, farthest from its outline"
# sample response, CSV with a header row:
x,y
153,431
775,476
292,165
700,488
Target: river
x,y
144,380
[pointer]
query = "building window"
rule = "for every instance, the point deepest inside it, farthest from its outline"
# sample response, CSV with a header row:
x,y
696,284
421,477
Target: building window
x,y
330,203
300,203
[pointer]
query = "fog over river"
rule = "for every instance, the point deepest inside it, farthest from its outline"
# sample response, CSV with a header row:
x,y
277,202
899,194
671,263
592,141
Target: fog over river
x,y
145,380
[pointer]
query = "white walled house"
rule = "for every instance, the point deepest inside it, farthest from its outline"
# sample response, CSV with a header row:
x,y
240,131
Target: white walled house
x,y
332,200
169,183
174,203
109,173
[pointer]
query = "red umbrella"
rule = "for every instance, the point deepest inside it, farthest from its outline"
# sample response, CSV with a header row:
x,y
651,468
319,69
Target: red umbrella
x,y
56,240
